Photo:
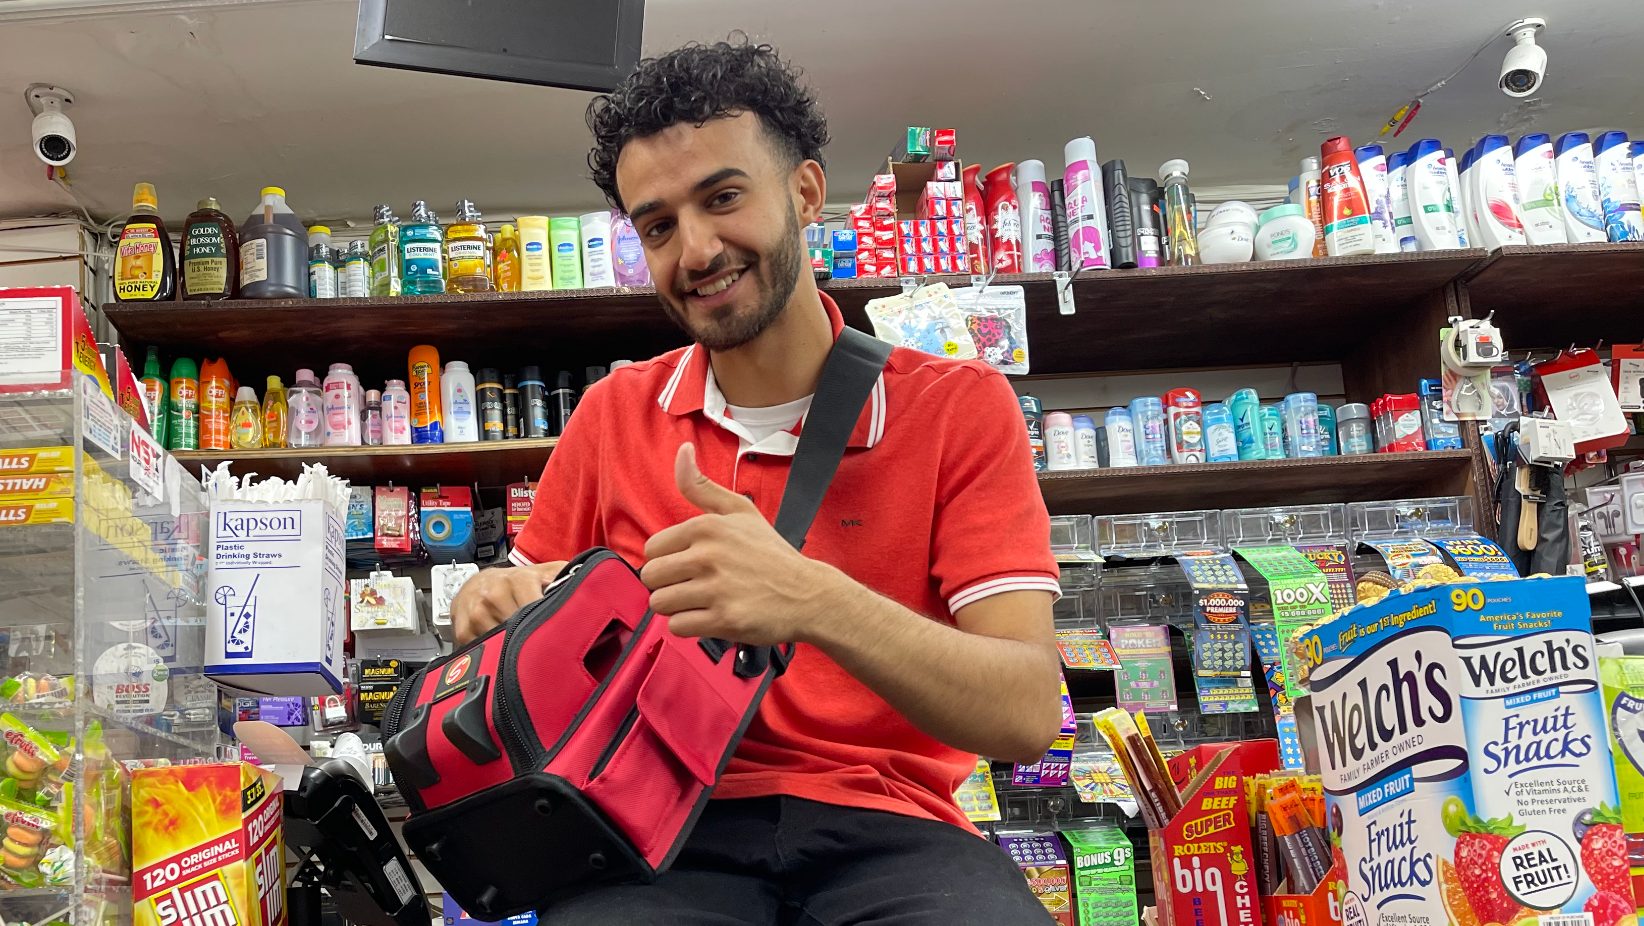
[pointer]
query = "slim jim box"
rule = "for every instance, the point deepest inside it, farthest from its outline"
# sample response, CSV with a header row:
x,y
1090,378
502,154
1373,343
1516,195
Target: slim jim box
x,y
207,846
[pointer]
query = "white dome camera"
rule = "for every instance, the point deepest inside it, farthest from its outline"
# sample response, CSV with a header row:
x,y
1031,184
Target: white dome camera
x,y
53,132
1526,62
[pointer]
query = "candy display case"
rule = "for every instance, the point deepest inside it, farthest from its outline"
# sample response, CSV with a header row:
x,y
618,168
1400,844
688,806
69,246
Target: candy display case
x,y
103,629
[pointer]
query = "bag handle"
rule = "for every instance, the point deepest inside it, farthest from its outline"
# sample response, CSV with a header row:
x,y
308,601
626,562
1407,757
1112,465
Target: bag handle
x,y
848,377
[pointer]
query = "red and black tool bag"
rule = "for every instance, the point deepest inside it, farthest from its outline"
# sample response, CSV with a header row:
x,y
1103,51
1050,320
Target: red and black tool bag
x,y
575,744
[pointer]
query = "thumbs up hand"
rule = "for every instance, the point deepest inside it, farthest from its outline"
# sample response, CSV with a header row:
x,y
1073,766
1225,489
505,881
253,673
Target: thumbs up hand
x,y
727,573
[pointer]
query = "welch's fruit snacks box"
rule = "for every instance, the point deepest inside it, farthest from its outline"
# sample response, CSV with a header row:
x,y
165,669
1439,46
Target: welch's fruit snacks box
x,y
1465,756
1543,832
1392,752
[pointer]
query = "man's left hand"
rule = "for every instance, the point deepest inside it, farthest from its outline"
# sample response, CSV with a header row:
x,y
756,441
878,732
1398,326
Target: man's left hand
x,y
727,573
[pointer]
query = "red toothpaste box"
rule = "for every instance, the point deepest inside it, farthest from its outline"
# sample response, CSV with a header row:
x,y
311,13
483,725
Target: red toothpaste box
x,y
910,264
944,144
883,189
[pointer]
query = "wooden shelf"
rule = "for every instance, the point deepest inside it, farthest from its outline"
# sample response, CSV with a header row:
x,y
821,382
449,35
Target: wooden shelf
x,y
1370,477
1102,491
489,463
1550,296
1155,319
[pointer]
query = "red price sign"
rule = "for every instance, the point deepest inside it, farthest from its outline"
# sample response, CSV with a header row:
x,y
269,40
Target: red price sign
x,y
148,462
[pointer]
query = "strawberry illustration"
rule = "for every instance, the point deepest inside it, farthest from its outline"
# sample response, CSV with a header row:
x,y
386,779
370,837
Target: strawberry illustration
x,y
1608,908
1479,845
1604,850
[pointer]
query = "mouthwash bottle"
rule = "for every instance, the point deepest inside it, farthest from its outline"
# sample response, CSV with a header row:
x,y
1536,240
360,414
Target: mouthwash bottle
x,y
465,248
422,264
385,253
322,270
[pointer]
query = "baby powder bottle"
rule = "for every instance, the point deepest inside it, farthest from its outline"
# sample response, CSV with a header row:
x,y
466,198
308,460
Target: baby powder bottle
x,y
307,410
461,408
396,413
344,407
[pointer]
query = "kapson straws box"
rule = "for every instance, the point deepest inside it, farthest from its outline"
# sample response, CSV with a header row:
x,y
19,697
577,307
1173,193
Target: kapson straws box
x,y
1543,834
1391,754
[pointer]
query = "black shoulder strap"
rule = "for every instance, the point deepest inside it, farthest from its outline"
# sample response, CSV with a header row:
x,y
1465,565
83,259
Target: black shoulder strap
x,y
848,376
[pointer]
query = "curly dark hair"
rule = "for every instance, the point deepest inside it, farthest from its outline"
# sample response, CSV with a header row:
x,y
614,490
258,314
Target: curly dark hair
x,y
697,83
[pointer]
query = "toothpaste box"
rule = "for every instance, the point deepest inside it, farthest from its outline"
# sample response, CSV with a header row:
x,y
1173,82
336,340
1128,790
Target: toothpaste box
x,y
1622,678
1392,755
207,846
1104,876
1544,813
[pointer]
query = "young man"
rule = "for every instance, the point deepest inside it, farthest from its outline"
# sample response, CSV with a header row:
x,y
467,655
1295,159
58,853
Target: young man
x,y
921,605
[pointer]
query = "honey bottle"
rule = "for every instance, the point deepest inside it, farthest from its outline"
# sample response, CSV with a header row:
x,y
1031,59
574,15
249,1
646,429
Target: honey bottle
x,y
145,270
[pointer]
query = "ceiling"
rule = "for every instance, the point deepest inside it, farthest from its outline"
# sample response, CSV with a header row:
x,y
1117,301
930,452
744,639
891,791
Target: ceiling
x,y
221,101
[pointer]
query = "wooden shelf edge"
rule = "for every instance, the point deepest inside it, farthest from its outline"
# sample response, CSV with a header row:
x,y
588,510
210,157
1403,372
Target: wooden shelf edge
x,y
1188,470
322,454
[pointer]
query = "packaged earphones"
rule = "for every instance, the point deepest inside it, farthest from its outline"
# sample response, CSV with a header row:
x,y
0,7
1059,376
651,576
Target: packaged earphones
x,y
927,319
996,319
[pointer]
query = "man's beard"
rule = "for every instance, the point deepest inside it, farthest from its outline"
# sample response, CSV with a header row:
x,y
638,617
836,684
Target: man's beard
x,y
775,278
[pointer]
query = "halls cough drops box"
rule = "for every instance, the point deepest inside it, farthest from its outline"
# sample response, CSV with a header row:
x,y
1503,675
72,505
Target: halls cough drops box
x,y
1392,751
207,846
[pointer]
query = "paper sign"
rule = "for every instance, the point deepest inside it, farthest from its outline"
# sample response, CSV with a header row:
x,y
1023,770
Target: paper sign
x,y
148,463
99,418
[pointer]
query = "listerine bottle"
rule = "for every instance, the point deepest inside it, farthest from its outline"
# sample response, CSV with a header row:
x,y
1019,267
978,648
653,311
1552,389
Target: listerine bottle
x,y
465,249
385,253
422,253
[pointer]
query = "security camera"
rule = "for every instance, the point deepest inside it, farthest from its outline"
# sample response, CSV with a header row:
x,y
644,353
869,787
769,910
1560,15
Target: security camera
x,y
1526,62
53,132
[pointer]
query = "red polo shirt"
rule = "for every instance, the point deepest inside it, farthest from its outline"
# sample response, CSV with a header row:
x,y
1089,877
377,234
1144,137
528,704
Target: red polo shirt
x,y
935,505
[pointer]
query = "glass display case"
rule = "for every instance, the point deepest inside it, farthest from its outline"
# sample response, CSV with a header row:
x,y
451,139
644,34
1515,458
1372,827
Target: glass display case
x,y
102,540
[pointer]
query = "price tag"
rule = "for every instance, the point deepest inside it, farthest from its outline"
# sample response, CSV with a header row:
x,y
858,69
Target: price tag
x,y
148,462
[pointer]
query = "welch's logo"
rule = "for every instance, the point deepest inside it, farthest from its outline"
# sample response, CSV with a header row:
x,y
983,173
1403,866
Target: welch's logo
x,y
1374,712
1507,664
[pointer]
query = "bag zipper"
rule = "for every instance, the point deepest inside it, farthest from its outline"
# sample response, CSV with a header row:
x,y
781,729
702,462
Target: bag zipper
x,y
515,741
610,749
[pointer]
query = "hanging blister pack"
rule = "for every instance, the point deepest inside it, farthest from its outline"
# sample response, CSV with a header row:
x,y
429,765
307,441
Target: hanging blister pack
x,y
996,319
927,319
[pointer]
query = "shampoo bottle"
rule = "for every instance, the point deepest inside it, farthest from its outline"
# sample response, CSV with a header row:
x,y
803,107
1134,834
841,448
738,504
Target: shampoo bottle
x,y
427,423
1578,188
1086,206
1038,231
246,421
1499,223
276,413
1617,187
1378,192
1463,229
1398,184
1537,178
1432,208
1121,221
1347,228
